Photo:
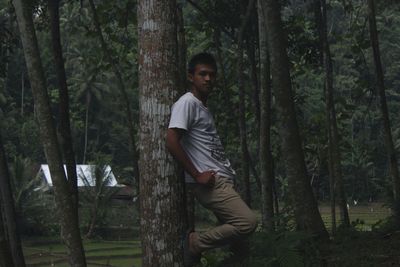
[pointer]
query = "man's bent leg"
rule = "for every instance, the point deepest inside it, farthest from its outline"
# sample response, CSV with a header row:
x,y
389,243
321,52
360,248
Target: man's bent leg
x,y
238,221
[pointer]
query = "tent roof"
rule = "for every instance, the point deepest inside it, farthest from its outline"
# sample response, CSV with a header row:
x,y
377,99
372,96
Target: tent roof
x,y
83,172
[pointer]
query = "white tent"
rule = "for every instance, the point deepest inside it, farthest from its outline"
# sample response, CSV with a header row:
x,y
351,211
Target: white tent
x,y
85,175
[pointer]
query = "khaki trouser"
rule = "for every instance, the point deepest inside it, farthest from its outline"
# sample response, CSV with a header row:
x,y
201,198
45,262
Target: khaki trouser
x,y
238,221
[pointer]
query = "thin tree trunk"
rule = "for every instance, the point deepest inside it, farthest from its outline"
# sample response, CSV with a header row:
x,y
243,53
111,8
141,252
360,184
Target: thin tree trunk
x,y
161,189
265,126
301,196
64,201
88,102
123,94
394,171
275,192
332,188
255,82
22,92
334,146
256,104
8,207
65,128
93,218
242,108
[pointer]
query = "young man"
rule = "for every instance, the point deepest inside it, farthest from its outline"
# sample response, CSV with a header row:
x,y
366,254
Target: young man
x,y
193,141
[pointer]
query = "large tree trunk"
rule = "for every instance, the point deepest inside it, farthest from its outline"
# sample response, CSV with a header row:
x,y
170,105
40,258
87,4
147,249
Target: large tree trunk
x,y
265,126
333,136
394,171
6,258
189,220
68,221
182,50
8,208
123,94
64,127
161,191
301,196
242,108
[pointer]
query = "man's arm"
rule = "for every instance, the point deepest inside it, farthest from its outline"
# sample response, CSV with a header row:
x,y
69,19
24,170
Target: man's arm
x,y
174,147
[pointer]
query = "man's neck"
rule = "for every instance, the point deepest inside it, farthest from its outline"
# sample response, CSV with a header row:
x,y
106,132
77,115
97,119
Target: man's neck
x,y
202,98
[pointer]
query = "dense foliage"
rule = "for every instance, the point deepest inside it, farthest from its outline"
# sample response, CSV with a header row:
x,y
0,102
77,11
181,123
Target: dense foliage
x,y
98,121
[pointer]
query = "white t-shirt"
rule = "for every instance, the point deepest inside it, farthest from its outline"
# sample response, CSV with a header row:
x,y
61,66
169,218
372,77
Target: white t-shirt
x,y
200,141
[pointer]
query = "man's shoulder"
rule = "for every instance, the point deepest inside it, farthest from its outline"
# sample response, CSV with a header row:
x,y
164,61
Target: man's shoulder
x,y
187,98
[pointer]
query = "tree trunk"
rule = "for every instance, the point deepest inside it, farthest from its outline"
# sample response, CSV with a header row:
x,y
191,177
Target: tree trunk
x,y
6,258
332,188
394,171
189,211
242,109
68,221
64,127
265,126
123,95
255,82
8,208
88,102
334,146
301,197
161,190
93,218
182,49
22,92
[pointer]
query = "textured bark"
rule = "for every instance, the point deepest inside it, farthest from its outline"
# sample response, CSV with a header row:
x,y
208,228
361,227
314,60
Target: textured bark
x,y
22,91
242,108
189,220
333,136
64,127
255,81
182,49
267,177
69,226
394,171
123,94
5,250
301,197
161,189
9,229
332,189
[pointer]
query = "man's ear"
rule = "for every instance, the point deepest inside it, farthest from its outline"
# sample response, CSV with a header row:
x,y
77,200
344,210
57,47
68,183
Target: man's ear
x,y
190,77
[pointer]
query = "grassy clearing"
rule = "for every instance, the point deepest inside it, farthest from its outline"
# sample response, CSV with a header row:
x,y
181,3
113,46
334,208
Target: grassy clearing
x,y
362,216
98,253
51,252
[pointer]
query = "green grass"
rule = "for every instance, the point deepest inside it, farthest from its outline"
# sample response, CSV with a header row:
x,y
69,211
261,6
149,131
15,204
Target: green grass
x,y
51,252
98,253
364,216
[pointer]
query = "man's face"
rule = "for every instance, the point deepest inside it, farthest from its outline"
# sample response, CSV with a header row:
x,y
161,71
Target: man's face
x,y
203,79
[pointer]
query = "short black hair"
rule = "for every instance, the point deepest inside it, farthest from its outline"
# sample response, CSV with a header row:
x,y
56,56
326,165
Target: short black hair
x,y
201,58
